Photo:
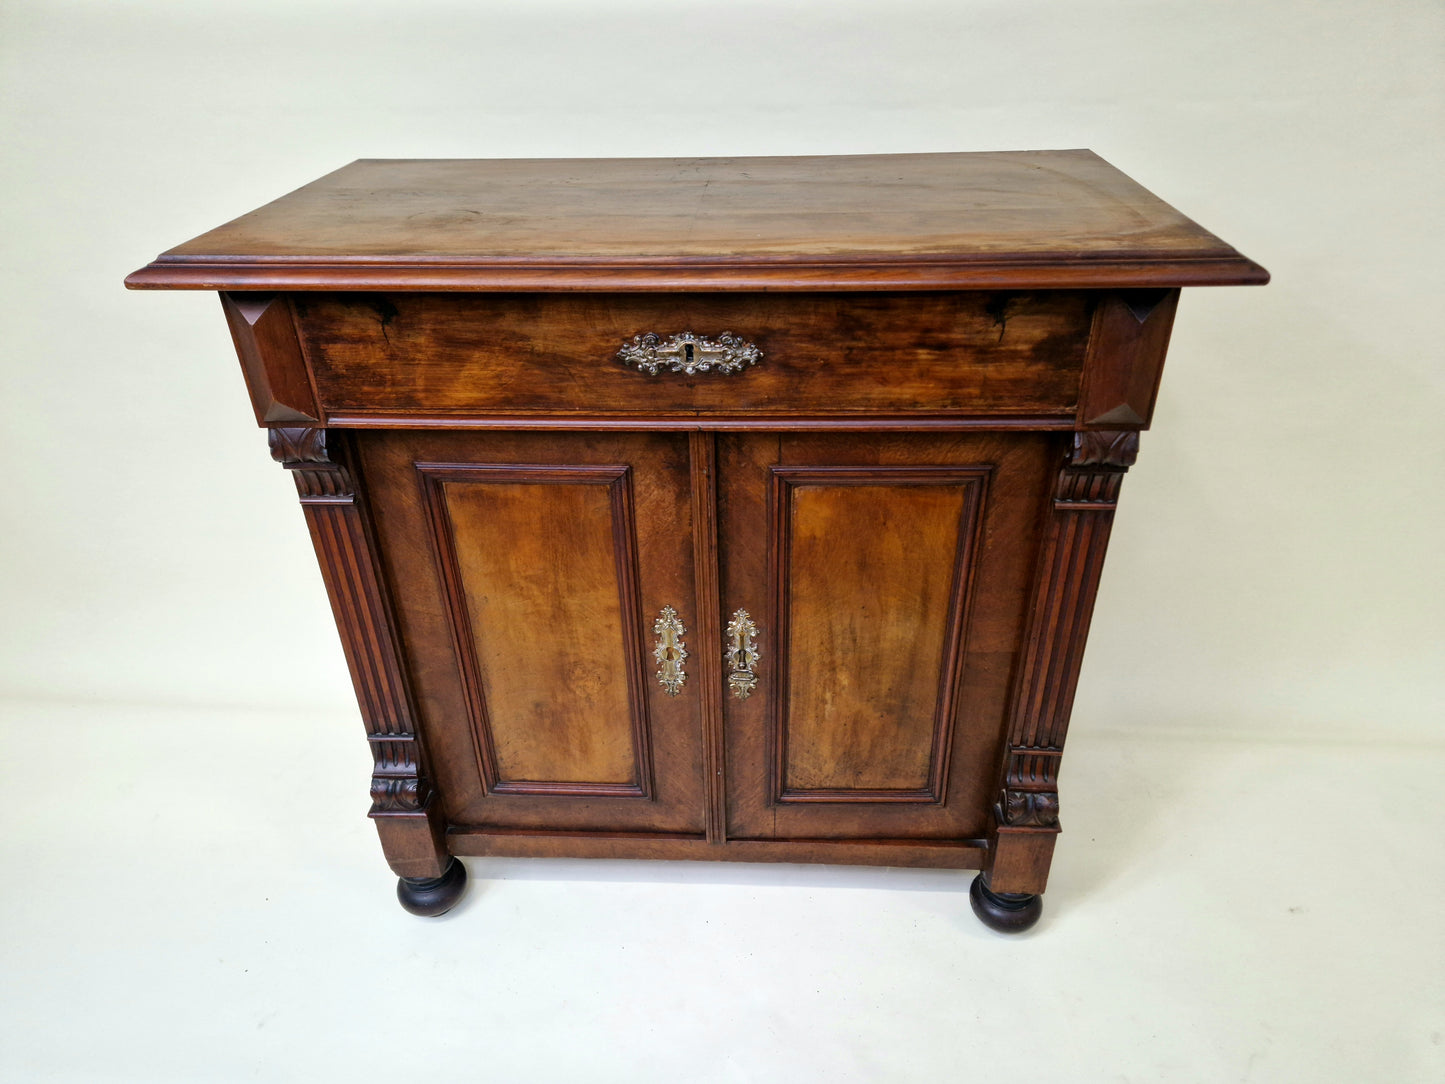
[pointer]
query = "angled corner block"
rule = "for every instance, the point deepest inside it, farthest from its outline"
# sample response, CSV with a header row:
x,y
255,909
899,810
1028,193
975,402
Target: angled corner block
x,y
270,353
1127,342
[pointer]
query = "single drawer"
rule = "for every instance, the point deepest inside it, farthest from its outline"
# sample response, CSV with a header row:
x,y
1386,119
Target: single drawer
x,y
826,355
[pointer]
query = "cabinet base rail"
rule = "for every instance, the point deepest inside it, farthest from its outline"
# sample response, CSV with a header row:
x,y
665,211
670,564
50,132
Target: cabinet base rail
x,y
925,854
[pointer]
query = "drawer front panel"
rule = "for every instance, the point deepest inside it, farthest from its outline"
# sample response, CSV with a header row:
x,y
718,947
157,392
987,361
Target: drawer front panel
x,y
454,355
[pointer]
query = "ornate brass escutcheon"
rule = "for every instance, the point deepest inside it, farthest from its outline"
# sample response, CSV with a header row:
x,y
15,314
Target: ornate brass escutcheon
x,y
670,651
689,353
742,655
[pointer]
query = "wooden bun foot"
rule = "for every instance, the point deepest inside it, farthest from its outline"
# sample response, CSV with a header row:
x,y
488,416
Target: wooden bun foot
x,y
1006,912
434,896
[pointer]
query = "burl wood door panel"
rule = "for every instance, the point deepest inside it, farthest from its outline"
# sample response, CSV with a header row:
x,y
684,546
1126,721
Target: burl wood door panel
x,y
530,570
888,576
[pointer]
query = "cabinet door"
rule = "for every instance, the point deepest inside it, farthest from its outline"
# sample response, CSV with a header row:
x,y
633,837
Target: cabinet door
x,y
530,573
887,577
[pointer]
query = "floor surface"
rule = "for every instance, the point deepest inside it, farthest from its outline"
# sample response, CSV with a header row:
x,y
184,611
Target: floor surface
x,y
198,896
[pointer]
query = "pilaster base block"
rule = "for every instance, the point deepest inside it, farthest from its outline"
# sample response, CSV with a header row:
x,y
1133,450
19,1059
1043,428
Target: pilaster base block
x,y
1020,860
414,842
1005,912
433,896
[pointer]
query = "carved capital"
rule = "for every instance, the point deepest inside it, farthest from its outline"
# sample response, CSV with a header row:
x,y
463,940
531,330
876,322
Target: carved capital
x,y
1104,448
1027,809
398,794
304,452
1094,472
300,445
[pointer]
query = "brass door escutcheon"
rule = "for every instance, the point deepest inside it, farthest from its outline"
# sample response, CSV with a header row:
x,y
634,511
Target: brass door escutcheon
x,y
742,655
669,651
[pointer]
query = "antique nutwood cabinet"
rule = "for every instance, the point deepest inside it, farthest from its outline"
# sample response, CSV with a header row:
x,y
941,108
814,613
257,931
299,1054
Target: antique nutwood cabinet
x,y
726,508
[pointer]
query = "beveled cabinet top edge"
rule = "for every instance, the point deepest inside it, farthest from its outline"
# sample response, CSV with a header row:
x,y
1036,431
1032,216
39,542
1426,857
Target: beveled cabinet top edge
x,y
1029,219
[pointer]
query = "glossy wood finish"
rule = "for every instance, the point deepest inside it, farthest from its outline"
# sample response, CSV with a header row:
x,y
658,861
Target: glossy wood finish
x,y
1010,220
910,493
867,354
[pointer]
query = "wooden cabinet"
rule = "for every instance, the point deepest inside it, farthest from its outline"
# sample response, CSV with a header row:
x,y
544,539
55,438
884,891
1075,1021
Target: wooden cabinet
x,y
730,509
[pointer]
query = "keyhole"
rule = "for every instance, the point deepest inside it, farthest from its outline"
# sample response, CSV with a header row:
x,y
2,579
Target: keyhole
x,y
687,350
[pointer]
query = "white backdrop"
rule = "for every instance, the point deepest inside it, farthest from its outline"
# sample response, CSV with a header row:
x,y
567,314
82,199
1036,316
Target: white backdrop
x,y
1276,566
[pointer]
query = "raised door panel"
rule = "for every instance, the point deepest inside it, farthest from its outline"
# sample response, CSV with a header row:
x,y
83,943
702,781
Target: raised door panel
x,y
871,592
531,571
886,577
546,630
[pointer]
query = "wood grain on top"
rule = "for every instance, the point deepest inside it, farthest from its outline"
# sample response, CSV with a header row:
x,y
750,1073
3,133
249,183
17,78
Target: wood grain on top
x,y
910,221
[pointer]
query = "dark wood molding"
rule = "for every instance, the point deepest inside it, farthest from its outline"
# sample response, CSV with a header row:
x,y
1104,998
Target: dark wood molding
x,y
774,423
707,631
1026,815
918,853
857,273
404,806
618,480
782,481
264,331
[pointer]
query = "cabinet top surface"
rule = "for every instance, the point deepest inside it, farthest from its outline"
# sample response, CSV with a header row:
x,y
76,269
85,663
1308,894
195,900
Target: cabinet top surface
x,y
898,221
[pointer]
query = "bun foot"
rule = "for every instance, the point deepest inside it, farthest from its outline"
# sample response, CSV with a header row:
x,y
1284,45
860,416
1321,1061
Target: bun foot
x,y
1006,912
433,896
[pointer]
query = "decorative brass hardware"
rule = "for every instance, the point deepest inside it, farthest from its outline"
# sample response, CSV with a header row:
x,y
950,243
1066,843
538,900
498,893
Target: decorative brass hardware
x,y
689,353
670,651
742,655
